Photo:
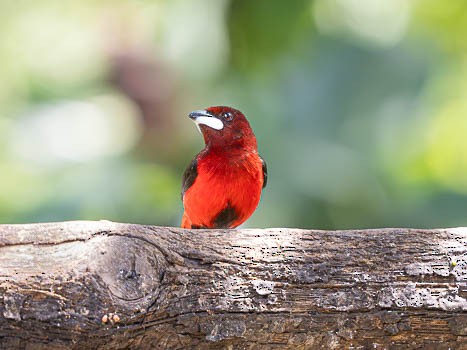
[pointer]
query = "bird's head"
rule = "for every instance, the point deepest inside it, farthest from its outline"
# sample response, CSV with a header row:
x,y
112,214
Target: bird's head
x,y
223,126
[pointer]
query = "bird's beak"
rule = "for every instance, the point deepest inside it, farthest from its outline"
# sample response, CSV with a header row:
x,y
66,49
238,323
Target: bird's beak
x,y
203,117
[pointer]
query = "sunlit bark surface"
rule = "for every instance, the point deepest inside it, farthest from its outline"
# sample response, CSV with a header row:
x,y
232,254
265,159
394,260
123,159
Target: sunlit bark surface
x,y
105,285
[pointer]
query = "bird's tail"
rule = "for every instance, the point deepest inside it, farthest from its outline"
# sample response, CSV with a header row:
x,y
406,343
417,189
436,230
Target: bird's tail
x,y
186,222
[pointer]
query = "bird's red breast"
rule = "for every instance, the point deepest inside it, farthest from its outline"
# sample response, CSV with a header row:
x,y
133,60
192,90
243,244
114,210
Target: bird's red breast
x,y
223,183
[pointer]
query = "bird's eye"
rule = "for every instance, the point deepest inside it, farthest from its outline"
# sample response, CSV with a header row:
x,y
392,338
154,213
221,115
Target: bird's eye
x,y
228,116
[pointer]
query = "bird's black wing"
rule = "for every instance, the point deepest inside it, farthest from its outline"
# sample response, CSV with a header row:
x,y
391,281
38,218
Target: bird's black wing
x,y
265,172
190,174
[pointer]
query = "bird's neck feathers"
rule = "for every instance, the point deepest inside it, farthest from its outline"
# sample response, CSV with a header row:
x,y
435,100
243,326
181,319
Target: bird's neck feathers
x,y
232,146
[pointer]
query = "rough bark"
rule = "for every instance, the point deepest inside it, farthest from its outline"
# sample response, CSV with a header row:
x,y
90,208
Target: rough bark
x,y
86,285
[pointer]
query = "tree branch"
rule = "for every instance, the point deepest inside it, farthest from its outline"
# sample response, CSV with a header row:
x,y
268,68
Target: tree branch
x,y
78,285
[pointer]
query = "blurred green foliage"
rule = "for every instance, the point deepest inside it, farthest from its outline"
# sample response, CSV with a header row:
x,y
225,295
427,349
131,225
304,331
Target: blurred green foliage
x,y
359,107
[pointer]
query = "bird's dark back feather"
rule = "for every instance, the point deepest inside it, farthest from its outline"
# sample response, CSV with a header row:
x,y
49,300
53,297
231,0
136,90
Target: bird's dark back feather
x,y
265,172
190,175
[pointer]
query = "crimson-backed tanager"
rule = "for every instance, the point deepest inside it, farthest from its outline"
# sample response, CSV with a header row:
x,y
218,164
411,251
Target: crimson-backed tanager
x,y
222,185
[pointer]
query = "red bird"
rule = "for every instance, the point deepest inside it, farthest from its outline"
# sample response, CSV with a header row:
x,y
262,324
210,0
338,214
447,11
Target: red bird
x,y
223,183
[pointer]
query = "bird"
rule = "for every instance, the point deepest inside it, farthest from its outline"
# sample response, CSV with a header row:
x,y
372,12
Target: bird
x,y
222,185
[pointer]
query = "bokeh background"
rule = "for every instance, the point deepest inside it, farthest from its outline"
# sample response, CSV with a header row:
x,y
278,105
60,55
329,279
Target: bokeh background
x,y
359,107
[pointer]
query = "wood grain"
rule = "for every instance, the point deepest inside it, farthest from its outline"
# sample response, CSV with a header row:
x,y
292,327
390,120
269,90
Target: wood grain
x,y
105,285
